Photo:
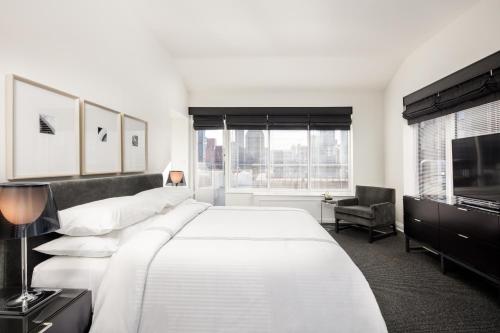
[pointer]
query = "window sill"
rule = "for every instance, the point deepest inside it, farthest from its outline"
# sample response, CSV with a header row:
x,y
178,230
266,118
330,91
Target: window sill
x,y
290,193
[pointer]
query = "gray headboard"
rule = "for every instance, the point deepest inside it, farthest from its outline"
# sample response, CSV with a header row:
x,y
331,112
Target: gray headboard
x,y
69,193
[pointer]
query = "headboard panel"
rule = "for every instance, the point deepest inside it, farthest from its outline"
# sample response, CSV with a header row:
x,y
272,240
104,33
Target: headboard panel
x,y
69,193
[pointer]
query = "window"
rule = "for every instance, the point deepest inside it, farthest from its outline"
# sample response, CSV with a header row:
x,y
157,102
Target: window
x,y
432,156
434,144
290,159
330,160
248,151
210,166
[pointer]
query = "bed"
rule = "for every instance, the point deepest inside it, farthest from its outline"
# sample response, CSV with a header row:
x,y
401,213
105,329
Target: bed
x,y
200,268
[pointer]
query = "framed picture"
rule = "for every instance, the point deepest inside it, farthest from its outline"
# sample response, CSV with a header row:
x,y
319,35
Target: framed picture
x,y
134,144
101,141
43,130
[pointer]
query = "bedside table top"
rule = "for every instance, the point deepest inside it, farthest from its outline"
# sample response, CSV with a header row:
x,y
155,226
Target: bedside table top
x,y
331,201
30,321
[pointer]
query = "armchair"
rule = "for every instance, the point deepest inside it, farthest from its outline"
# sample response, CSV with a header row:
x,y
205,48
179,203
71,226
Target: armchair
x,y
373,207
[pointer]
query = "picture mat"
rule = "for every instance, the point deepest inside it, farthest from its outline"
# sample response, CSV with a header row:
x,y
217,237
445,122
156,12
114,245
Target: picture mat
x,y
134,157
37,154
101,157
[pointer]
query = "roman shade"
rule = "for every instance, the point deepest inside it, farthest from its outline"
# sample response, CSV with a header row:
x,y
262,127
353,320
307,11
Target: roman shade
x,y
203,122
471,86
274,118
288,122
248,122
330,122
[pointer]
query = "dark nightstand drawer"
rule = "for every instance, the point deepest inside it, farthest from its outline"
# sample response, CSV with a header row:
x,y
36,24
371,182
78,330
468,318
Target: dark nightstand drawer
x,y
69,311
471,223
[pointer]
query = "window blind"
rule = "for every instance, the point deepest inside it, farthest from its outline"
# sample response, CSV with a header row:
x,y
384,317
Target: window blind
x,y
432,157
480,120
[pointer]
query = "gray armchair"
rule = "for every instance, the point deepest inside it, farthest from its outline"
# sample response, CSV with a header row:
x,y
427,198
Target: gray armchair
x,y
373,207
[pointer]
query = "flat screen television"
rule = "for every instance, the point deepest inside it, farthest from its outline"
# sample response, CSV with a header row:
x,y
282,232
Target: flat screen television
x,y
476,167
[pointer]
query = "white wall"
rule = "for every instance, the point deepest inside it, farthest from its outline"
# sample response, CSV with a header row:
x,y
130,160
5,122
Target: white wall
x,y
96,50
367,129
469,38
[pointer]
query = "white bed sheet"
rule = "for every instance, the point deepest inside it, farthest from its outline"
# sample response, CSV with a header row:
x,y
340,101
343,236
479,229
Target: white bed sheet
x,y
236,269
70,272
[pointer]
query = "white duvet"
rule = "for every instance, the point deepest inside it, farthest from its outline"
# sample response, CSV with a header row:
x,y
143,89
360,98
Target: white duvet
x,y
234,269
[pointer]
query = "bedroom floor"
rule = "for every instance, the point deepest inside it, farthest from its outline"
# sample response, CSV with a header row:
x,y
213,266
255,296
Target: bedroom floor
x,y
412,293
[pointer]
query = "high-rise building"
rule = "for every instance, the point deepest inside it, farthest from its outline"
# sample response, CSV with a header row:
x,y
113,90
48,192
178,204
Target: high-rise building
x,y
254,147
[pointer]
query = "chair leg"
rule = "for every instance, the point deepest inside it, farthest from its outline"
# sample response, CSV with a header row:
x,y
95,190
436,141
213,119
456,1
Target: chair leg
x,y
370,235
394,230
407,244
443,265
337,225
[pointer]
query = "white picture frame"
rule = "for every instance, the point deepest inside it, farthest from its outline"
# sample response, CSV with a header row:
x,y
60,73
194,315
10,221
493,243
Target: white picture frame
x,y
101,139
42,130
134,144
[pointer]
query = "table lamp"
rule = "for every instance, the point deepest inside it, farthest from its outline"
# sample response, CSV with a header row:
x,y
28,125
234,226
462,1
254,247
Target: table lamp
x,y
26,210
176,177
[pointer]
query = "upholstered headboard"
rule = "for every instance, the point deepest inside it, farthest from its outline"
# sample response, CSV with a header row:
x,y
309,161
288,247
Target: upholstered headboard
x,y
69,193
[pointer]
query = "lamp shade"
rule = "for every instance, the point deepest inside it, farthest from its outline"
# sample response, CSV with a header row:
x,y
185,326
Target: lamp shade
x,y
27,209
176,177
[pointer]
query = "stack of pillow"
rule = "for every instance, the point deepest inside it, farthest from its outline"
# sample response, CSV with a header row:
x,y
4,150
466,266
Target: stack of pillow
x,y
98,228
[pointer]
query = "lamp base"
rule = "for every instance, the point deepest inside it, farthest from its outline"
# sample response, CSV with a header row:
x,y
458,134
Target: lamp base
x,y
21,304
18,300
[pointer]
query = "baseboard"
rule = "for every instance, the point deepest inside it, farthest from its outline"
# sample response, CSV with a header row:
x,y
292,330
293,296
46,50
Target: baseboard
x,y
399,226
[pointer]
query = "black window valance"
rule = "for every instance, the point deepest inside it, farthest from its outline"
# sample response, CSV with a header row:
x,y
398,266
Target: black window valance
x,y
289,118
472,86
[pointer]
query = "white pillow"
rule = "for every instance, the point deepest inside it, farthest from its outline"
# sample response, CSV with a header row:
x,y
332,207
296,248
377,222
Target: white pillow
x,y
103,216
94,246
91,246
169,196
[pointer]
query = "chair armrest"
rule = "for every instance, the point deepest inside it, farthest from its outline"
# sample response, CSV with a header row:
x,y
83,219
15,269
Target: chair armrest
x,y
348,202
385,212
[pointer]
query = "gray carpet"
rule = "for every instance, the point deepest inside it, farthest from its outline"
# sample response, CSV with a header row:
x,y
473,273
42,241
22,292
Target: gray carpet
x,y
412,293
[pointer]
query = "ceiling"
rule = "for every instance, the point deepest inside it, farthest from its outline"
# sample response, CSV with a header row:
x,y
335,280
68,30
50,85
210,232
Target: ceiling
x,y
293,44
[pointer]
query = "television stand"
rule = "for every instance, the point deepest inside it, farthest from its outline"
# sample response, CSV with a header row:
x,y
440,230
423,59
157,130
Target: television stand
x,y
469,237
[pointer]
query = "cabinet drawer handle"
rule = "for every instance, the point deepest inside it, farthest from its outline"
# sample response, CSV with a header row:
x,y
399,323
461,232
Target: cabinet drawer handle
x,y
463,236
45,328
417,220
464,209
416,199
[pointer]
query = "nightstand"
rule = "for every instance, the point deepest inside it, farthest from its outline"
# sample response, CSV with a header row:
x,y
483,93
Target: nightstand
x,y
332,203
68,312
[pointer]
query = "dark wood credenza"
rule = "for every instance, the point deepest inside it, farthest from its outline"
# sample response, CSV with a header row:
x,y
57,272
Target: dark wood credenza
x,y
467,236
